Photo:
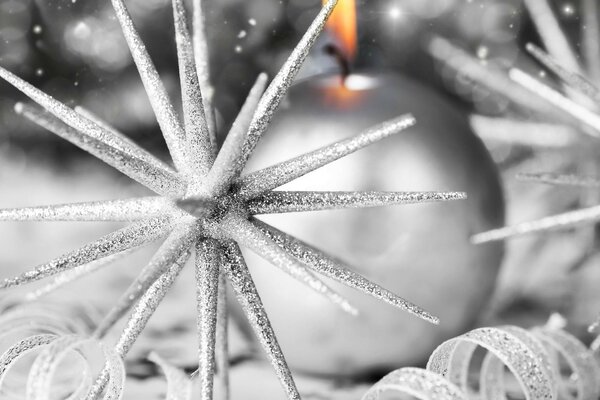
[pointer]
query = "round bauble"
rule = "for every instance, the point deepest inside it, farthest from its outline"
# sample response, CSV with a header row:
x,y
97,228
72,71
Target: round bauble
x,y
421,252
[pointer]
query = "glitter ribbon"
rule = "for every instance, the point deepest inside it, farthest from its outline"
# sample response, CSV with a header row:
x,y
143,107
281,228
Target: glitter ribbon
x,y
534,358
63,340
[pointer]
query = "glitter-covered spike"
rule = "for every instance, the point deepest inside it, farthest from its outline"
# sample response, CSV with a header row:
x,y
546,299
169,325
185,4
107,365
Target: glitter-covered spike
x,y
201,56
208,261
572,79
581,113
272,177
152,176
222,339
103,139
112,210
248,297
555,40
224,172
157,94
491,77
175,250
325,265
142,312
74,274
560,179
95,118
199,148
127,142
281,83
144,309
524,133
61,111
286,202
590,34
246,234
566,220
135,235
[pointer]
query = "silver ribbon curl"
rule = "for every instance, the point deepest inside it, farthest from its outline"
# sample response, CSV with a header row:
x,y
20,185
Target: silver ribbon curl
x,y
55,335
534,358
59,337
531,356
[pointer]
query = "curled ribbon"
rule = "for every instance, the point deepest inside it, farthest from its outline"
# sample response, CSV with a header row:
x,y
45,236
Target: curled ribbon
x,y
60,339
533,357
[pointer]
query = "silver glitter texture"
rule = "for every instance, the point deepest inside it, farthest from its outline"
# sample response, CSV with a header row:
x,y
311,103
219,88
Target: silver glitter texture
x,y
531,356
204,206
575,105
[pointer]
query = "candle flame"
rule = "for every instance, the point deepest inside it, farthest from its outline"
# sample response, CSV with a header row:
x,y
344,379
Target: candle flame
x,y
348,93
342,24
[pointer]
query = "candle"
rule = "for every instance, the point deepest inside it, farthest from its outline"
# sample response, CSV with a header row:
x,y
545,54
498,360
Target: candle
x,y
421,252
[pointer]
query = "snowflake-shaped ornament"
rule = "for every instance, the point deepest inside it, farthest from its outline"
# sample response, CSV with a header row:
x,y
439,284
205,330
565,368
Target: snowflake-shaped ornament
x,y
205,205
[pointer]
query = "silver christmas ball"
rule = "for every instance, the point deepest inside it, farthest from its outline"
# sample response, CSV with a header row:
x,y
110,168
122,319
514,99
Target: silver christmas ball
x,y
421,252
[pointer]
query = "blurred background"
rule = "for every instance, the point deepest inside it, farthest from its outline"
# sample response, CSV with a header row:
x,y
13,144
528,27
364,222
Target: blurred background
x,y
74,50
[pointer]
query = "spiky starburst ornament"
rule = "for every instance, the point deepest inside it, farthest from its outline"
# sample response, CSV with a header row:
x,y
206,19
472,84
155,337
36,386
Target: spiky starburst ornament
x,y
577,106
567,115
204,205
570,113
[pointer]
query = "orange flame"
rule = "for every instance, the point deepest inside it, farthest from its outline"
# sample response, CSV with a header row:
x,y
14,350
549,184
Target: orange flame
x,y
342,24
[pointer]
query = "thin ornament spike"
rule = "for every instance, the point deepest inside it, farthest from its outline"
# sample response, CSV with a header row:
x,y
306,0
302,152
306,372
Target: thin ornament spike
x,y
574,80
222,175
222,340
102,123
286,202
269,178
325,265
134,235
246,234
128,210
278,88
201,55
71,118
585,216
199,148
73,275
155,178
136,323
560,179
590,34
175,250
581,113
166,116
525,133
552,35
248,297
146,307
61,111
127,142
486,75
208,261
